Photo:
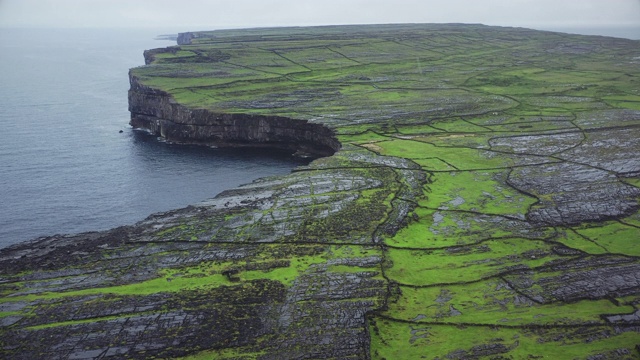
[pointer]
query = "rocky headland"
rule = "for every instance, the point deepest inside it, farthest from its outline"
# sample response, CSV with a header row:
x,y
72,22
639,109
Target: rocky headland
x,y
156,111
476,196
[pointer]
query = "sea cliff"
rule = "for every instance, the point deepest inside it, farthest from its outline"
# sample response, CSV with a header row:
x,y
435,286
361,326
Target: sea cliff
x,y
479,199
155,111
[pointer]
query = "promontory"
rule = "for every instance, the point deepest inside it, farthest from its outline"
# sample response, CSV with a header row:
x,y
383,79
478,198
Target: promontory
x,y
474,195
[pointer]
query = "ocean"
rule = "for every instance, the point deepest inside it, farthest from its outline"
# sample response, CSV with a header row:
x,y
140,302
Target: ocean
x,y
65,167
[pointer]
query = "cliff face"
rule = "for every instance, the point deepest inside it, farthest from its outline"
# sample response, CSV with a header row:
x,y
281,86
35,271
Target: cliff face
x,y
155,110
185,38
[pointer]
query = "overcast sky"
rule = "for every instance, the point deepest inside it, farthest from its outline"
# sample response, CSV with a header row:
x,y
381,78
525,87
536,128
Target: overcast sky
x,y
187,15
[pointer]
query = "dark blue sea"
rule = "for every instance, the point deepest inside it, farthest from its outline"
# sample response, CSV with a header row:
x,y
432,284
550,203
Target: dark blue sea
x,y
64,165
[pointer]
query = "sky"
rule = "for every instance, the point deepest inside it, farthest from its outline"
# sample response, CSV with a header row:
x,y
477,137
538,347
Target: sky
x,y
187,15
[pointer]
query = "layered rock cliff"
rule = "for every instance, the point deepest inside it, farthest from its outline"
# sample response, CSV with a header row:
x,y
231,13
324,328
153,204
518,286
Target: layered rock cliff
x,y
155,111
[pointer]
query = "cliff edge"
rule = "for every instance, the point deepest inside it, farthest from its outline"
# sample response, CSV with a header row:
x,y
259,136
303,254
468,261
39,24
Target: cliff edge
x,y
157,112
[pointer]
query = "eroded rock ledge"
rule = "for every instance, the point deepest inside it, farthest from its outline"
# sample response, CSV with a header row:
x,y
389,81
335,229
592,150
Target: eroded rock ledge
x,y
155,111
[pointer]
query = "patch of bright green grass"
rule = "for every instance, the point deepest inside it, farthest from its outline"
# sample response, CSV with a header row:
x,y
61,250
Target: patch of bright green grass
x,y
471,263
461,158
419,234
397,340
434,164
298,264
10,313
458,140
439,229
287,274
456,125
169,280
493,302
480,191
613,236
574,240
624,104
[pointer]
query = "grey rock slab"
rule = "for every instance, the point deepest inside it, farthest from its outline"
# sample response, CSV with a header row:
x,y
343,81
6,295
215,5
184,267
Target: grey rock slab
x,y
573,193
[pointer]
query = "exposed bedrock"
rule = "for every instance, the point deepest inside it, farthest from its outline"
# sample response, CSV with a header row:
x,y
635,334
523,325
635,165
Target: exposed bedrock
x,y
570,194
156,111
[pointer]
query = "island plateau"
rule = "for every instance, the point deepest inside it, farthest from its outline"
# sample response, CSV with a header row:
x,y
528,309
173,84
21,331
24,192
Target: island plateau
x,y
474,195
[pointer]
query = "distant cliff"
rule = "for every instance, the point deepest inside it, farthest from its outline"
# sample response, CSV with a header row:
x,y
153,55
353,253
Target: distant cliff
x,y
155,110
185,38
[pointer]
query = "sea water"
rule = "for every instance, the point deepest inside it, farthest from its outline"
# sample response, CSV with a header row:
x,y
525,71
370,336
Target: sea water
x,y
65,165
